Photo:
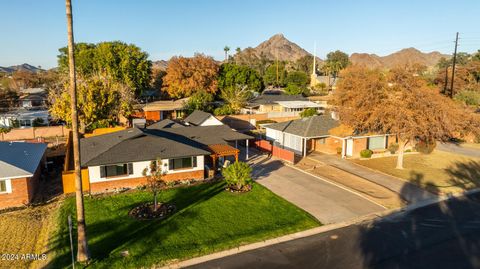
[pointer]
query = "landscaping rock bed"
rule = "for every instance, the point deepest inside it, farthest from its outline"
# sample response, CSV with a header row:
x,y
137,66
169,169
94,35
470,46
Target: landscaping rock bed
x,y
147,212
235,189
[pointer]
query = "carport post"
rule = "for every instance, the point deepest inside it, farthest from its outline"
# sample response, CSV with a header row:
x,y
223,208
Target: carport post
x,y
343,148
246,149
304,147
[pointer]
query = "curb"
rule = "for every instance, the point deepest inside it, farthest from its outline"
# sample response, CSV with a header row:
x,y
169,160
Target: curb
x,y
314,231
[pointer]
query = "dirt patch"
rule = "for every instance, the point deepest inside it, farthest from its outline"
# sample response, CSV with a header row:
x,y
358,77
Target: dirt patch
x,y
367,188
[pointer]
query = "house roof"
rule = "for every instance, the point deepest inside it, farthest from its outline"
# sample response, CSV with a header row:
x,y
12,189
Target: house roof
x,y
166,123
266,99
298,104
18,159
197,117
133,145
166,105
314,126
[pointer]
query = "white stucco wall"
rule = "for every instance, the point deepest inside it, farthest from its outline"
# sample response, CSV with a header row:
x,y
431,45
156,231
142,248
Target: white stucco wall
x,y
211,121
138,167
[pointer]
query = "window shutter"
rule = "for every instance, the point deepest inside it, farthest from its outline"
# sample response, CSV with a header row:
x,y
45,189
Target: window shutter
x,y
194,161
102,171
170,164
130,168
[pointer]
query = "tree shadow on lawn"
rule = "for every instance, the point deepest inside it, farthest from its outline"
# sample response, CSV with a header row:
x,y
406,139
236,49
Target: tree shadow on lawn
x,y
109,237
465,175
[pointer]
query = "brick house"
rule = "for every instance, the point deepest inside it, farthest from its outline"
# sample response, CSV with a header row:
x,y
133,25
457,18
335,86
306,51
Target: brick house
x,y
20,169
117,160
317,134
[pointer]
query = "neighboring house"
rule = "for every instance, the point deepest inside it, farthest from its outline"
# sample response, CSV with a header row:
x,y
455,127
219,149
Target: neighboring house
x,y
330,82
33,98
24,118
324,101
320,133
117,160
280,105
201,118
20,169
165,109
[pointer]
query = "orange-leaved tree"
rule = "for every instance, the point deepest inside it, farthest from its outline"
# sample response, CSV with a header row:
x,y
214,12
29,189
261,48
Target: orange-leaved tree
x,y
185,76
399,102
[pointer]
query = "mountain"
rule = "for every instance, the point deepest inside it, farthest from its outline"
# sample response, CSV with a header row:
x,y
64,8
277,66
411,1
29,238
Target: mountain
x,y
276,46
161,65
400,58
22,67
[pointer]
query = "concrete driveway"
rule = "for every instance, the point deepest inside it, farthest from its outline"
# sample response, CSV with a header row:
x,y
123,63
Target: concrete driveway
x,y
327,202
457,149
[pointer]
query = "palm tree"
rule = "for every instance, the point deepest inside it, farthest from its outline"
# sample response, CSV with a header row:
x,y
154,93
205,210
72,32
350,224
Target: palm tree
x,y
226,49
238,49
83,254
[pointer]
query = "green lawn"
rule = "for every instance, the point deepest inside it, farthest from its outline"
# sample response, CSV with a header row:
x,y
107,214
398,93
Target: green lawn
x,y
438,172
208,219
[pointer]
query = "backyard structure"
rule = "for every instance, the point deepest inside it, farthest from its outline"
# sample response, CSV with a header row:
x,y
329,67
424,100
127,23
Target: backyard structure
x,y
116,160
280,105
201,118
165,109
318,133
20,170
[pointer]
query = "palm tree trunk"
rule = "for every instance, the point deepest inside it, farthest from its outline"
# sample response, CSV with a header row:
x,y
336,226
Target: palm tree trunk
x,y
83,254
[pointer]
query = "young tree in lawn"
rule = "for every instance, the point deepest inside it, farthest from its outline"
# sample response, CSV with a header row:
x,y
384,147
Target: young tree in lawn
x,y
402,104
185,76
155,180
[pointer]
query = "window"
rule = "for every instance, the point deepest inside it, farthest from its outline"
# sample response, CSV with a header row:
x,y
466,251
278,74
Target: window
x,y
25,123
116,170
182,163
376,143
3,186
322,141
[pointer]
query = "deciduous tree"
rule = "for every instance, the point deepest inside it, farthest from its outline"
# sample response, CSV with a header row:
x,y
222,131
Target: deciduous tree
x,y
236,96
399,103
231,75
185,76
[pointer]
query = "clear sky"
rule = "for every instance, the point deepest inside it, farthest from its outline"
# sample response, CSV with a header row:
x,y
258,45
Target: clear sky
x,y
33,30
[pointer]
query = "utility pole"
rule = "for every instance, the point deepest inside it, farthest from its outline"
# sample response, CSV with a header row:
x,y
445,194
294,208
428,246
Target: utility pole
x,y
453,66
83,254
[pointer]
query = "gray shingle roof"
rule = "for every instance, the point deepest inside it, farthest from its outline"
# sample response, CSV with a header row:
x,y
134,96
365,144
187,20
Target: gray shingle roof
x,y
166,123
135,144
307,127
197,117
19,159
265,99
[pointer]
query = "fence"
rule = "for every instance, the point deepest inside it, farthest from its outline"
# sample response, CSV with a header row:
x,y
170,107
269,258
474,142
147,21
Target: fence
x,y
34,133
283,154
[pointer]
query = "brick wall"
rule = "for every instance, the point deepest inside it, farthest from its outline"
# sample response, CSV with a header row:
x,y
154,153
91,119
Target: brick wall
x,y
359,144
330,146
111,185
152,115
19,195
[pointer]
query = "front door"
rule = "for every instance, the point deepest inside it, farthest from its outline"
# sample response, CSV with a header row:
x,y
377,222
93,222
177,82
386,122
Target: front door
x,y
349,151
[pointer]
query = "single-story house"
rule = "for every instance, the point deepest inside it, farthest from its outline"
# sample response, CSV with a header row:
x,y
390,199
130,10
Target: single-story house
x,y
165,109
20,169
280,105
201,118
33,97
318,133
24,118
117,160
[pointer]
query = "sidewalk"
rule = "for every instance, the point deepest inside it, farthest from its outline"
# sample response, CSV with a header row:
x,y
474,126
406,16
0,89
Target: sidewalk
x,y
406,190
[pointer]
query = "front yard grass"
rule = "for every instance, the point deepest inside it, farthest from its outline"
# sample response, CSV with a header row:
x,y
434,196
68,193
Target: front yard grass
x,y
208,219
438,172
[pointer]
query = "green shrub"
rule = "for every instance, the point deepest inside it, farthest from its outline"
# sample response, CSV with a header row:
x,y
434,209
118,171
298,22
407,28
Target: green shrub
x,y
366,153
4,130
238,175
408,150
468,97
425,147
393,148
308,112
224,110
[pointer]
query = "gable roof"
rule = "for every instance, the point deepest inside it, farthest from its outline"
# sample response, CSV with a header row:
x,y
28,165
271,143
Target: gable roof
x,y
166,123
18,159
265,99
133,145
197,117
314,126
166,105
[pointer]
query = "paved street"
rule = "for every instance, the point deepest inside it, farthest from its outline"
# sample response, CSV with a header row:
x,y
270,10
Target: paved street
x,y
454,148
443,235
325,201
406,190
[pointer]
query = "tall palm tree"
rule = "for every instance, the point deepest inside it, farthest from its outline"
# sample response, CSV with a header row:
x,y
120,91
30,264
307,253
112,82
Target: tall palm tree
x,y
226,49
83,254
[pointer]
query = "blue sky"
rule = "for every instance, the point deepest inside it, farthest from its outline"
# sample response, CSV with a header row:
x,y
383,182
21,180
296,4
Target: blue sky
x,y
33,30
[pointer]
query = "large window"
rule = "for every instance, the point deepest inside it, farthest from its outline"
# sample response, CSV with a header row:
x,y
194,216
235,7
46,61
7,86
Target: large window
x,y
3,186
376,143
116,170
25,123
182,163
